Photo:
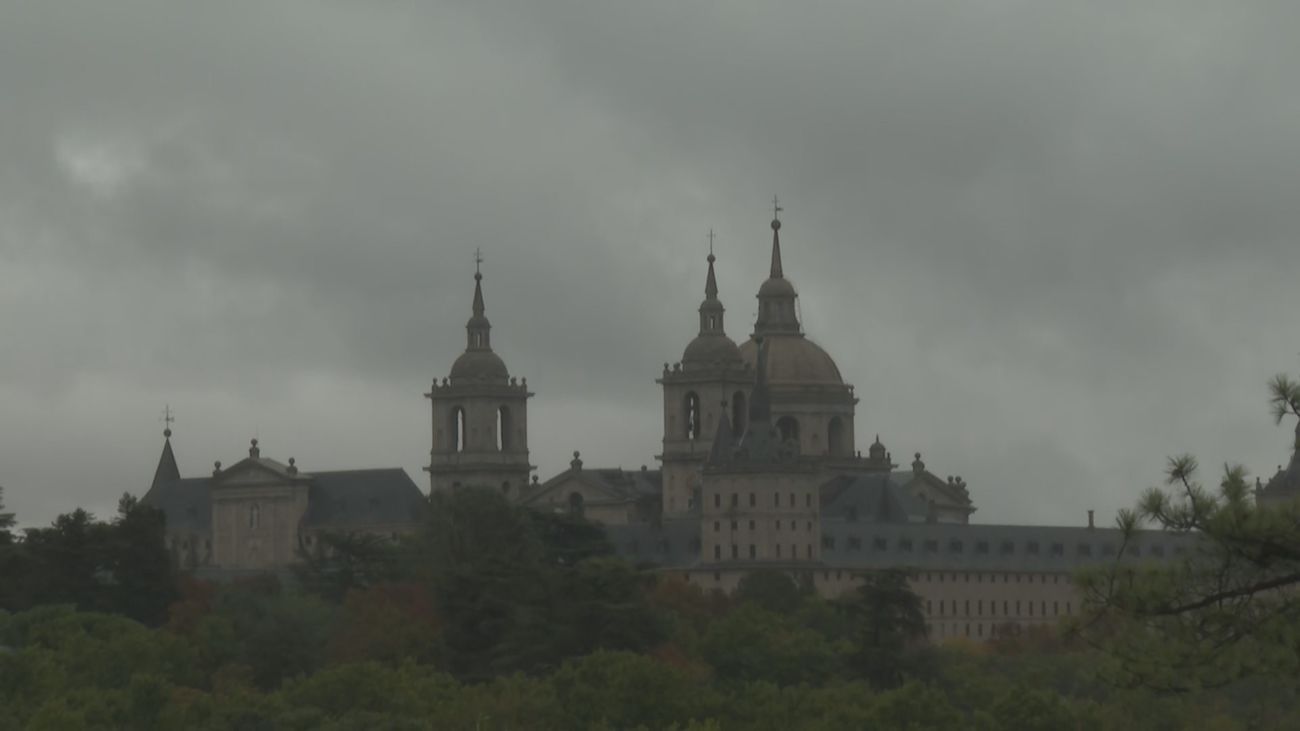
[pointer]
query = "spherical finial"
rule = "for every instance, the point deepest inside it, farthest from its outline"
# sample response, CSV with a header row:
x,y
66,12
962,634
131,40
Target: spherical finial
x,y
918,455
576,454
712,258
776,224
167,433
292,461
253,441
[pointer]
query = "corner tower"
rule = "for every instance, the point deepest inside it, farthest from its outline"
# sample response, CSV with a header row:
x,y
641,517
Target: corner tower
x,y
709,385
480,416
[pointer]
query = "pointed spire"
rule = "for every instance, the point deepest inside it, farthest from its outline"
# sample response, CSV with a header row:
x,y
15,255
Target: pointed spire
x,y
167,470
478,328
776,308
711,309
777,273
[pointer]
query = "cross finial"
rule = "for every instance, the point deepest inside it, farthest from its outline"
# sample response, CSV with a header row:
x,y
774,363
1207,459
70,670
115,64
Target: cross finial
x,y
710,242
776,209
478,259
167,418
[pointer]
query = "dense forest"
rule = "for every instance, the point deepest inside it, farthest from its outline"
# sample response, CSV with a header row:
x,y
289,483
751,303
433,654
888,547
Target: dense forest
x,y
496,617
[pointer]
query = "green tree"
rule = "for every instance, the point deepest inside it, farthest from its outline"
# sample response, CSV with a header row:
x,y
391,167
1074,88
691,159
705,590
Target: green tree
x,y
1227,608
889,628
7,522
344,561
753,644
772,590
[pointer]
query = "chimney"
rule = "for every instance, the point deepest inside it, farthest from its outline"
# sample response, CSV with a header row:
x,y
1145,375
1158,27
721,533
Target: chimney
x,y
1090,519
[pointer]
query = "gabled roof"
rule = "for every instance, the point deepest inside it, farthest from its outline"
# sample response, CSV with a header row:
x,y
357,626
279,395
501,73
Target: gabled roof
x,y
616,484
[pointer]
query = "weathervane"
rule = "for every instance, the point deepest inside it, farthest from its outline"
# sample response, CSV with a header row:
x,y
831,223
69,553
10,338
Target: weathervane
x,y
776,209
167,418
710,242
478,259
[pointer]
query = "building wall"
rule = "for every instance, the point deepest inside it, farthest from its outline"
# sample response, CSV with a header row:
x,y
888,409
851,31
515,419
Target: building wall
x,y
269,541
768,516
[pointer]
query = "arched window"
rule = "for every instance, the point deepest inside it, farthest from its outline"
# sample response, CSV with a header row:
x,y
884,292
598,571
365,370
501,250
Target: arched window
x,y
458,429
789,428
254,515
692,416
576,506
503,428
739,413
835,438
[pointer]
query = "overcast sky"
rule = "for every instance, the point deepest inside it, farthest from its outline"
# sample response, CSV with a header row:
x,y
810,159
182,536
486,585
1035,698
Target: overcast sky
x,y
1050,243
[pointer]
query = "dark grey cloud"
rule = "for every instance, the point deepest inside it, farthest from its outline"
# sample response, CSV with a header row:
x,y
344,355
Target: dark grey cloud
x,y
1050,244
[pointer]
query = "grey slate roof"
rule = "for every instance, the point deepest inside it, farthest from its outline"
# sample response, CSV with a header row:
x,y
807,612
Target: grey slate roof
x,y
877,497
338,500
185,502
357,498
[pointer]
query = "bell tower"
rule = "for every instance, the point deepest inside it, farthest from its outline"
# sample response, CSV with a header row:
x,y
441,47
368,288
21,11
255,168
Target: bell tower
x,y
711,383
480,415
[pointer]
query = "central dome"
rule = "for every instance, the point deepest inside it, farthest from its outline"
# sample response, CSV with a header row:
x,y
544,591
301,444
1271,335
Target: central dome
x,y
794,359
479,365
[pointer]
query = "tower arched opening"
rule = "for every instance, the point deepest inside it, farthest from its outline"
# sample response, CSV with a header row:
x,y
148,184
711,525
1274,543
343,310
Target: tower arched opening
x,y
692,411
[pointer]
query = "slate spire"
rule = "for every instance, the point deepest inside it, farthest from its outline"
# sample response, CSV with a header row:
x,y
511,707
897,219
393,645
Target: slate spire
x,y
167,470
478,329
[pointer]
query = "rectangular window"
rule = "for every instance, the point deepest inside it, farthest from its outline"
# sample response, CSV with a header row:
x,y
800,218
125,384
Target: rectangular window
x,y
735,551
717,499
717,526
1085,549
855,543
735,500
1058,549
776,499
930,546
980,607
717,552
753,551
734,525
929,606
905,544
982,547
809,550
1017,607
807,503
1008,548
778,525
753,500
751,525
954,547
880,544
778,550
1032,548
966,606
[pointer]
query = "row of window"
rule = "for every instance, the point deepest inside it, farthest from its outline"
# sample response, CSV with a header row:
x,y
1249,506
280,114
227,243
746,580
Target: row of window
x,y
735,525
950,607
993,578
753,500
753,551
954,629
1005,548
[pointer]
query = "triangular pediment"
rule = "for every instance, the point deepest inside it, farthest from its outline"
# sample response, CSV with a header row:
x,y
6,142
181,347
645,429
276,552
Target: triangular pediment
x,y
583,482
256,471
